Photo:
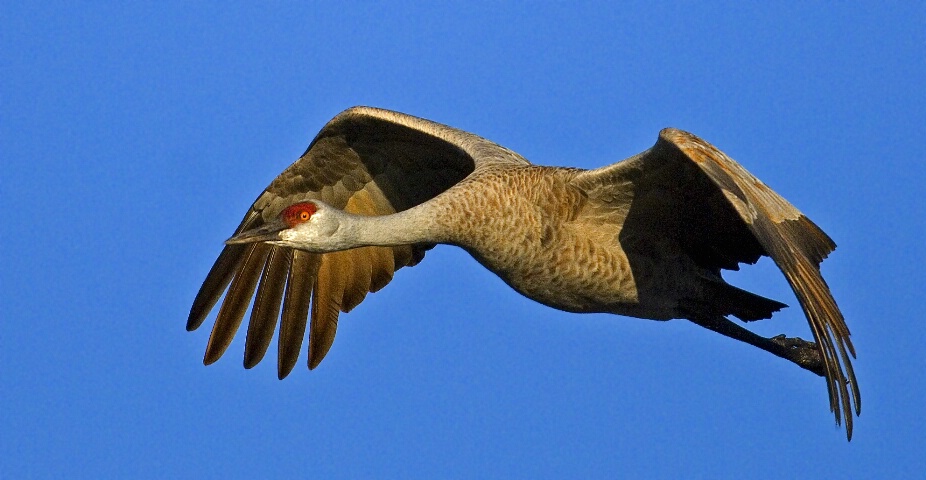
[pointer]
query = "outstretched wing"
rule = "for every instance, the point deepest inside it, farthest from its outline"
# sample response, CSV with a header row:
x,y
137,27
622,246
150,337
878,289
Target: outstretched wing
x,y
727,216
365,161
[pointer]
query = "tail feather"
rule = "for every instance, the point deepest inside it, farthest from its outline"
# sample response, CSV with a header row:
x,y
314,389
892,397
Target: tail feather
x,y
721,298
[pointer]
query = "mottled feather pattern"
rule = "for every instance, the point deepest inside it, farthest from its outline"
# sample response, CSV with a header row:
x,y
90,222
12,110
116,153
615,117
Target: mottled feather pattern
x,y
646,237
547,254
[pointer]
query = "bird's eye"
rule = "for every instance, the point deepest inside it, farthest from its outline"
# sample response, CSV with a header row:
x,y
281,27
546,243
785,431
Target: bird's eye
x,y
298,213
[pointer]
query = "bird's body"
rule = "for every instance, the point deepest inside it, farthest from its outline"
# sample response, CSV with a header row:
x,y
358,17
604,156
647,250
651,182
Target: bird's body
x,y
553,253
646,237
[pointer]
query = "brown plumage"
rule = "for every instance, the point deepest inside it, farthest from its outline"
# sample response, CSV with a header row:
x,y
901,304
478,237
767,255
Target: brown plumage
x,y
646,237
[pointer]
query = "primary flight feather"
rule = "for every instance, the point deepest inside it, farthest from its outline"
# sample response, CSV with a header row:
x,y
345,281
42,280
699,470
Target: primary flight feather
x,y
645,237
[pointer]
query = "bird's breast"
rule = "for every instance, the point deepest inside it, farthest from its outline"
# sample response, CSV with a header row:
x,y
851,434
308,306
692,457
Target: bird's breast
x,y
528,231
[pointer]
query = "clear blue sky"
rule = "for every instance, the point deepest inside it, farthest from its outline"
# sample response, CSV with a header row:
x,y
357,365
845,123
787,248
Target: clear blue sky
x,y
133,138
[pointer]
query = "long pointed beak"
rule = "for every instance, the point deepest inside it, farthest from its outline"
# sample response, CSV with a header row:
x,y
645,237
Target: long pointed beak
x,y
265,233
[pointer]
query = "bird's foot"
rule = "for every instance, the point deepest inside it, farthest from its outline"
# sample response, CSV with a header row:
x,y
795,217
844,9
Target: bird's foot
x,y
806,354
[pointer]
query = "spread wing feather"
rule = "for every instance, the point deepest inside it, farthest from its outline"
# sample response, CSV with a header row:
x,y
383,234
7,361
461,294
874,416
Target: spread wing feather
x,y
267,304
724,215
366,161
236,303
797,246
302,278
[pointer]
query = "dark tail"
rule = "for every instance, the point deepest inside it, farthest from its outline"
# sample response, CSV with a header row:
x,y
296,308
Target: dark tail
x,y
744,305
721,298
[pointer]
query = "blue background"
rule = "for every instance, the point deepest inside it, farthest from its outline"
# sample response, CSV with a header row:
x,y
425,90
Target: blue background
x,y
133,138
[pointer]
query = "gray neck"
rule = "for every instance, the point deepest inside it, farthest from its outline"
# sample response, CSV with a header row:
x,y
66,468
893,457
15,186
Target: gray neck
x,y
419,224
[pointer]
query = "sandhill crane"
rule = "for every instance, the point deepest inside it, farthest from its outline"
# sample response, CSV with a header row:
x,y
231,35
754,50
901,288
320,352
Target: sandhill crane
x,y
645,237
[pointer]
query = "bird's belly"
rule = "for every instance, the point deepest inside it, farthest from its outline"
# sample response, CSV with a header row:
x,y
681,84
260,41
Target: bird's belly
x,y
573,293
582,280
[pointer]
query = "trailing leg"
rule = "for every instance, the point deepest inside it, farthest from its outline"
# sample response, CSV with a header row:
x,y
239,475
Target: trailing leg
x,y
805,354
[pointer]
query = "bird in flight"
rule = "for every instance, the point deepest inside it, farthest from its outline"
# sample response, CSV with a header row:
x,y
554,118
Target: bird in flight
x,y
646,237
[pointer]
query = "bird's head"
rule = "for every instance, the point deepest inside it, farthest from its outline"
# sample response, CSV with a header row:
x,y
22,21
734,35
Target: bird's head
x,y
312,226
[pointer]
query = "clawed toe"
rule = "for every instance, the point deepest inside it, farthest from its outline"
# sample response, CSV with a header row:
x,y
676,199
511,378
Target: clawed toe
x,y
800,351
793,342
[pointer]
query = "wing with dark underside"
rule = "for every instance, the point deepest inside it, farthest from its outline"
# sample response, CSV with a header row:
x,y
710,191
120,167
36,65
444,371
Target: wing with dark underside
x,y
365,161
724,215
